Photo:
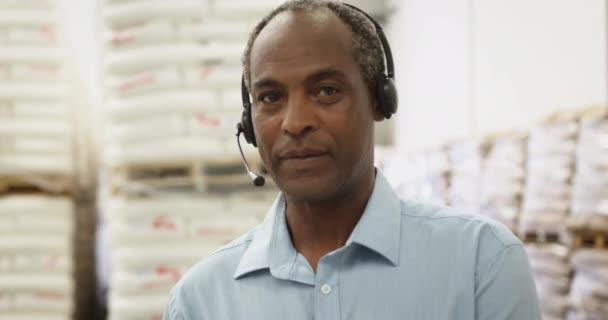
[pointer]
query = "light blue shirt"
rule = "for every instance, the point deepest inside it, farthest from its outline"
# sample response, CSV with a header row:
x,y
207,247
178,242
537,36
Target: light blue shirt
x,y
404,260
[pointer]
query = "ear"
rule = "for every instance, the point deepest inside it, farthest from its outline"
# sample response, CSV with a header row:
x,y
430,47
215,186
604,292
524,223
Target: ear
x,y
377,114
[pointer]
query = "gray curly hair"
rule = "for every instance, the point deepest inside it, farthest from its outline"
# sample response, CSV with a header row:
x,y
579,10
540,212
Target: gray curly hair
x,y
367,48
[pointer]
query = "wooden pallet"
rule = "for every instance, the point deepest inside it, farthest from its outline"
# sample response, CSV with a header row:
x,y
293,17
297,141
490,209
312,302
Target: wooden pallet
x,y
584,223
544,236
194,175
37,183
590,239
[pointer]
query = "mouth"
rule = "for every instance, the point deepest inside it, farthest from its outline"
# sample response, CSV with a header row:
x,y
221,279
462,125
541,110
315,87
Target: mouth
x,y
299,158
302,153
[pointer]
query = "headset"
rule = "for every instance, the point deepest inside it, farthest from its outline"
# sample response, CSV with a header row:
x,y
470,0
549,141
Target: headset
x,y
385,94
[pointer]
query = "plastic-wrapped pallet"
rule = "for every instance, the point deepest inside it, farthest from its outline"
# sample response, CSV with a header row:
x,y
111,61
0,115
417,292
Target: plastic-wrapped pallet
x,y
171,77
155,241
35,118
550,167
551,267
589,292
503,179
36,270
589,209
148,100
418,175
36,152
465,163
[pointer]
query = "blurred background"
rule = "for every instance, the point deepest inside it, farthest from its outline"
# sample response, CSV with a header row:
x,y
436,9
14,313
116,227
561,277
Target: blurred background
x,y
119,167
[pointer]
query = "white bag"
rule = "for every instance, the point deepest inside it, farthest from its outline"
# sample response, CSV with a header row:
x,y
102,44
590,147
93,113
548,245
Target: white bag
x,y
34,316
35,243
42,300
42,35
141,59
154,279
245,9
35,127
149,81
151,32
35,72
23,282
30,4
43,261
32,90
163,103
174,149
215,30
23,17
213,76
26,164
137,307
129,13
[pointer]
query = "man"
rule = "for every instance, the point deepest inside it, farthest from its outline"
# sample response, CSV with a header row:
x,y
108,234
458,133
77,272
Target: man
x,y
338,243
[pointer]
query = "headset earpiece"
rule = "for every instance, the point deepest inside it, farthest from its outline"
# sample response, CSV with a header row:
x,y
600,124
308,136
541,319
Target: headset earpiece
x,y
247,127
386,93
246,123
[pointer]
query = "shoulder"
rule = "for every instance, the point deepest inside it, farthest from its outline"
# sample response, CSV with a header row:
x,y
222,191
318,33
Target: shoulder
x,y
221,263
211,274
483,239
453,221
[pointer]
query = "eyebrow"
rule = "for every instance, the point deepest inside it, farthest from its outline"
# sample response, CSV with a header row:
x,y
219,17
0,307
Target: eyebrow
x,y
325,74
266,82
315,77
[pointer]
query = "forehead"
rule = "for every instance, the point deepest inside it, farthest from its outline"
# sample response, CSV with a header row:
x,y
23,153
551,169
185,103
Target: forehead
x,y
297,41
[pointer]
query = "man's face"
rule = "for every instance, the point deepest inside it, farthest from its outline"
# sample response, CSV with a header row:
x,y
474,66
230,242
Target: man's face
x,y
312,113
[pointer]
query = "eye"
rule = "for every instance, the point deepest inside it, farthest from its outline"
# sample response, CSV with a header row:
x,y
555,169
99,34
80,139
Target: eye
x,y
327,91
268,98
328,95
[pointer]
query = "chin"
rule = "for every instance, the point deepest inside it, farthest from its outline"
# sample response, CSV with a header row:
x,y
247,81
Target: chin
x,y
310,189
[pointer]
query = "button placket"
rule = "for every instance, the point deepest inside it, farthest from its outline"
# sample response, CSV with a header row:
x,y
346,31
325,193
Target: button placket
x,y
327,298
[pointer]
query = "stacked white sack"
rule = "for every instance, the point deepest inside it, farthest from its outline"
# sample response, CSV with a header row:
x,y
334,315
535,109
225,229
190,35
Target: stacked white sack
x,y
36,271
589,292
551,267
418,175
503,180
35,121
171,75
155,241
465,163
589,207
172,78
550,167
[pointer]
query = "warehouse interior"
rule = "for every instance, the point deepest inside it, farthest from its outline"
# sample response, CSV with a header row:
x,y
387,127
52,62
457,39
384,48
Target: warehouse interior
x,y
119,167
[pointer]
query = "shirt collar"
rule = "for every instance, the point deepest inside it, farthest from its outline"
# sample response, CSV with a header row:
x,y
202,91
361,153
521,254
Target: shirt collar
x,y
380,226
379,230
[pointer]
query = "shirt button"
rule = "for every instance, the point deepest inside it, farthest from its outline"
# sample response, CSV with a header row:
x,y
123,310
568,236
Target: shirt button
x,y
326,289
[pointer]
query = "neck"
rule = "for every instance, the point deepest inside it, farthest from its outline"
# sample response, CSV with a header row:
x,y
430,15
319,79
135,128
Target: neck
x,y
320,227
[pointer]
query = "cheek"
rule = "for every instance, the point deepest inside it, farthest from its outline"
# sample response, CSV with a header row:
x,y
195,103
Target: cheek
x,y
265,130
349,128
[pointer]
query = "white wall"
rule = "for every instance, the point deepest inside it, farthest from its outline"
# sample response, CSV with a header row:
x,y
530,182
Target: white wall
x,y
431,51
534,57
468,67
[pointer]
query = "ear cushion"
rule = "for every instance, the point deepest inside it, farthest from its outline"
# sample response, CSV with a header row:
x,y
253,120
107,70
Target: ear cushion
x,y
386,93
247,125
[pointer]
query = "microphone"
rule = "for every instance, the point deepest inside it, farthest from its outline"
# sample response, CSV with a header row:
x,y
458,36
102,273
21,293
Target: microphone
x,y
258,180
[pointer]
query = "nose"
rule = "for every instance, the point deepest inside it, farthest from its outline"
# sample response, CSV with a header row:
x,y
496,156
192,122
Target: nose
x,y
300,118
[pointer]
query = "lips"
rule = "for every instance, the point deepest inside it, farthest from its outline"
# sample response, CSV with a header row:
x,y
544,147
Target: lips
x,y
302,153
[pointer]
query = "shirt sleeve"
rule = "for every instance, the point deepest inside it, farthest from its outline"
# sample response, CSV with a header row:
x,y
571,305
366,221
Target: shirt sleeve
x,y
171,312
506,290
